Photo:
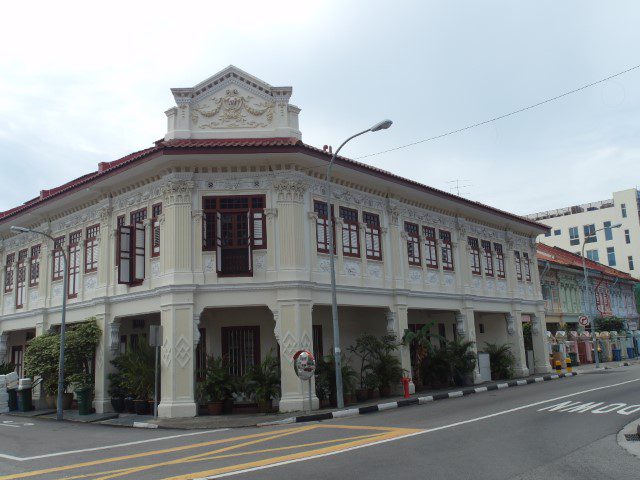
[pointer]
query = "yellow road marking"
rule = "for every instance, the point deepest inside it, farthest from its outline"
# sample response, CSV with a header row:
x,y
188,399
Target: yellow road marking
x,y
138,455
343,443
293,456
373,436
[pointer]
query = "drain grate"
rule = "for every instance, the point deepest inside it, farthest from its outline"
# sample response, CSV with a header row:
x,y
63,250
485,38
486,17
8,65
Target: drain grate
x,y
632,437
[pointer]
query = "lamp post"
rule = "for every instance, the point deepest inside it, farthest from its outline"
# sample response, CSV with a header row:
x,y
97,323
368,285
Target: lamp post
x,y
586,290
383,125
65,286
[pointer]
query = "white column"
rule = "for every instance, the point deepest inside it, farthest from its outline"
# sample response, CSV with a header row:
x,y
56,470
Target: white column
x,y
106,351
466,328
539,340
293,331
291,258
397,323
516,339
177,356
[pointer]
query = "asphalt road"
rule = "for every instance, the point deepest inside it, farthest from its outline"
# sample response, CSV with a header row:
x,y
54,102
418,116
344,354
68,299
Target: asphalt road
x,y
562,429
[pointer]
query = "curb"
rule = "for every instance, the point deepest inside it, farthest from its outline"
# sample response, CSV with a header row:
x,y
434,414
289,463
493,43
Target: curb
x,y
380,407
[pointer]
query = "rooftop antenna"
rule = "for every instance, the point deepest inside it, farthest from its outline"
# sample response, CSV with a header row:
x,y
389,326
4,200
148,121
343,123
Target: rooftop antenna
x,y
458,186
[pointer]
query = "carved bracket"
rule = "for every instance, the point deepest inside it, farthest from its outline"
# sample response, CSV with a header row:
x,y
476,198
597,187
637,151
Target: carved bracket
x,y
511,323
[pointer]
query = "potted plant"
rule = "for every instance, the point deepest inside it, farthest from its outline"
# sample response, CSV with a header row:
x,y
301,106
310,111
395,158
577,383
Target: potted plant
x,y
136,367
83,386
41,360
348,378
388,370
501,360
322,381
420,347
116,392
82,341
243,398
463,362
435,368
6,368
264,382
371,383
364,348
217,384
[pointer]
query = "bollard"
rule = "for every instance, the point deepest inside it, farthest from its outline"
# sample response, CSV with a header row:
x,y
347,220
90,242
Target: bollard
x,y
558,366
569,367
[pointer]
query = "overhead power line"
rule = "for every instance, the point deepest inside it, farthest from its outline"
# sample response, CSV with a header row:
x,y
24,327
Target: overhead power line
x,y
520,110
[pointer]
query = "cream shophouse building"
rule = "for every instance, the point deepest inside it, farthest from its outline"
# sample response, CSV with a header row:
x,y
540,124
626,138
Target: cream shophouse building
x,y
219,233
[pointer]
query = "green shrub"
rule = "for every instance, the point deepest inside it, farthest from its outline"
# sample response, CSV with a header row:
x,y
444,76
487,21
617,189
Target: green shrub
x,y
501,359
6,368
136,370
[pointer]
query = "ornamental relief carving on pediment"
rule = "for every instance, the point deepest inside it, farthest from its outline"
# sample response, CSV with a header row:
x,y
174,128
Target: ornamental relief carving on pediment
x,y
232,110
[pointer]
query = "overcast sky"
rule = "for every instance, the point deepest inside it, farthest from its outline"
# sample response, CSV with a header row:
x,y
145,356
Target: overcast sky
x,y
82,82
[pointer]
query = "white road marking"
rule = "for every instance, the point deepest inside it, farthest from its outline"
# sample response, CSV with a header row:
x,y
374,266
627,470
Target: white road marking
x,y
597,408
422,432
107,447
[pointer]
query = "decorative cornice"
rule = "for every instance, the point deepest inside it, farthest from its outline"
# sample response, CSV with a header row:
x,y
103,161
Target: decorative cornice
x,y
178,192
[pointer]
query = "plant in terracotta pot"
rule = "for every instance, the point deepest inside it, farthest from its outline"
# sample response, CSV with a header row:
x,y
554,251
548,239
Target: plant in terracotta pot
x,y
349,377
463,362
364,349
137,370
322,380
264,382
82,340
420,343
117,392
389,372
217,384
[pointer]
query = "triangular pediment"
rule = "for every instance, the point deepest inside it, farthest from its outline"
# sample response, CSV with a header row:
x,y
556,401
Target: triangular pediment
x,y
232,104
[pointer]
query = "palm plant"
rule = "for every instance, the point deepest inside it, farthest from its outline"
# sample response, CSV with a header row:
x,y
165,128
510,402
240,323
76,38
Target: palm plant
x,y
264,379
136,367
463,361
217,383
421,347
501,360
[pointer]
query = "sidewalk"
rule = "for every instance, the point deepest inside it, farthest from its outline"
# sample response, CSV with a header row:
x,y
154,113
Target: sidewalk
x,y
591,367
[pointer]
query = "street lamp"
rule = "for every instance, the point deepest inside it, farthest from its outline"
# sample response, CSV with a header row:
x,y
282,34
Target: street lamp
x,y
586,289
65,283
383,125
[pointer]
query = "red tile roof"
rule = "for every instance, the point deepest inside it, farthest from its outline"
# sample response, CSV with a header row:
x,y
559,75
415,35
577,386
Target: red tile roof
x,y
280,144
565,258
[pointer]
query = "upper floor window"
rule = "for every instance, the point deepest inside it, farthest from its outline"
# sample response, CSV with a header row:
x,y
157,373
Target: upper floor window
x,y
91,248
608,233
322,226
138,216
156,211
350,234
518,262
593,255
574,236
446,250
21,277
8,272
590,233
557,232
58,262
499,260
474,256
627,237
527,266
34,266
430,247
413,243
74,260
234,227
630,260
611,256
623,210
488,258
372,235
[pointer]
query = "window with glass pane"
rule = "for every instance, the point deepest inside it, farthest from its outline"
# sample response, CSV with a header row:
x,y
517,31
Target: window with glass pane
x,y
611,256
488,258
623,210
34,266
8,272
627,237
58,262
350,237
527,266
557,232
593,255
590,233
474,256
139,216
21,277
413,243
322,226
446,250
518,262
574,236
372,236
608,234
630,260
74,262
156,211
430,247
499,260
91,249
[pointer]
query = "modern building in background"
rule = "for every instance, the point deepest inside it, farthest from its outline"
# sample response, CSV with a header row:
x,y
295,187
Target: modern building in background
x,y
615,247
219,232
610,290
